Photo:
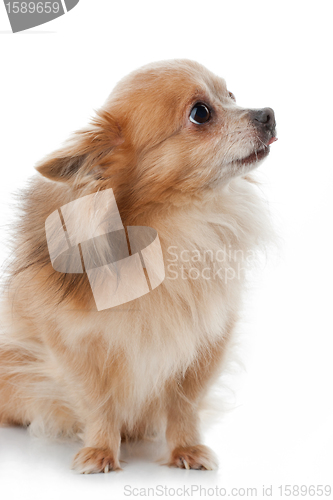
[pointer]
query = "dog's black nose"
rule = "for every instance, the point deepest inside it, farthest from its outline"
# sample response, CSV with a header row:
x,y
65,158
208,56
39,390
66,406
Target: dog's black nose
x,y
263,118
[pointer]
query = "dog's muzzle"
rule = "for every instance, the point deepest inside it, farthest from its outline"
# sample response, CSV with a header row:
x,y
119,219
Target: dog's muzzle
x,y
264,121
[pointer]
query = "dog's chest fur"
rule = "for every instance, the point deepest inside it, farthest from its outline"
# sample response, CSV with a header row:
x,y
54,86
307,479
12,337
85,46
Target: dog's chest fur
x,y
156,337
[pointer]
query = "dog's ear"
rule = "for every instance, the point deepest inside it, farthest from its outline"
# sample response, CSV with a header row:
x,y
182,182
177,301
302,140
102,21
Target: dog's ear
x,y
84,151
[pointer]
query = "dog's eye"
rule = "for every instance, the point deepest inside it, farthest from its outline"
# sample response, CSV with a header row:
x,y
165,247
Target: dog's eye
x,y
200,113
232,96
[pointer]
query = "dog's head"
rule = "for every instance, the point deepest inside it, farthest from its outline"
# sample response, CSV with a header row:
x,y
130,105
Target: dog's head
x,y
167,128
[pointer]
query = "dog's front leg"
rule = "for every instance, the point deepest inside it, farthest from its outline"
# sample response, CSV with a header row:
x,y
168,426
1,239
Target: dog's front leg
x,y
183,436
102,446
183,399
91,379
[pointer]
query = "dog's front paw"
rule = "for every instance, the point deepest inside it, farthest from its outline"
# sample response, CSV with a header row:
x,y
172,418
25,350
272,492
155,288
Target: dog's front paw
x,y
198,457
94,460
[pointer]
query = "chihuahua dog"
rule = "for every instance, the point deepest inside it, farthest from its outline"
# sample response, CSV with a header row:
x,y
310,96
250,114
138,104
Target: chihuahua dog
x,y
176,151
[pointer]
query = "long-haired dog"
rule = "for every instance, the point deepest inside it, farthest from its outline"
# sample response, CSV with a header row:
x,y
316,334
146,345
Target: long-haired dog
x,y
176,150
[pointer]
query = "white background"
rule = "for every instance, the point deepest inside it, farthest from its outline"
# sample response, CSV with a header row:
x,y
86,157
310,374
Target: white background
x,y
276,54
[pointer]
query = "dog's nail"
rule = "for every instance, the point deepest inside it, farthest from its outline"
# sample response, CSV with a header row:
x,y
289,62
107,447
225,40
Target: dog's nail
x,y
186,464
106,470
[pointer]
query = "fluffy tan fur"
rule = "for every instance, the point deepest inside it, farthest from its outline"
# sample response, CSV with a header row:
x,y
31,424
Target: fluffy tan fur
x,y
145,366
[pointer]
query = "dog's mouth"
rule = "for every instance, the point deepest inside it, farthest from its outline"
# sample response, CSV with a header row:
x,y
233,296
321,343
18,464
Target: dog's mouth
x,y
258,154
